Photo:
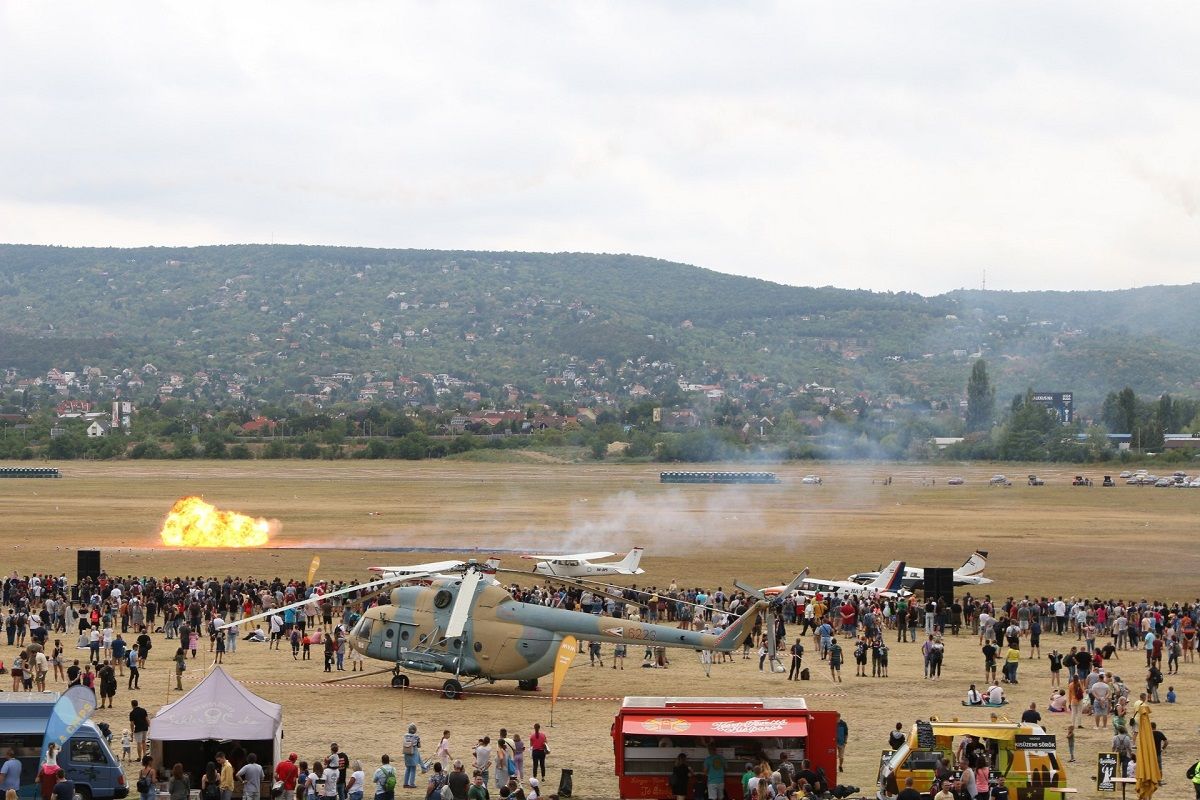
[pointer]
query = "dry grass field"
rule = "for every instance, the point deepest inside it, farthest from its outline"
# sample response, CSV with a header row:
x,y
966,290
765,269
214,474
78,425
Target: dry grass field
x,y
1122,541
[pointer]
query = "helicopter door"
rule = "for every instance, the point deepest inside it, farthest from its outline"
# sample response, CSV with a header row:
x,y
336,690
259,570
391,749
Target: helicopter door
x,y
390,638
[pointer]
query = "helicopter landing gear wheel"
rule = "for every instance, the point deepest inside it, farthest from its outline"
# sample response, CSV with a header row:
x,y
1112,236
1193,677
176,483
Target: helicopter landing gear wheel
x,y
399,681
528,686
452,689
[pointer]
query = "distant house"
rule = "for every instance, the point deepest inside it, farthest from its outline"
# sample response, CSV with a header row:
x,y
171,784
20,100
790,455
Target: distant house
x,y
942,442
98,428
259,425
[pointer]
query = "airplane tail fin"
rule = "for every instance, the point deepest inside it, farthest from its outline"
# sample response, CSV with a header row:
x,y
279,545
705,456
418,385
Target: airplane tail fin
x,y
733,636
491,565
890,579
975,564
630,562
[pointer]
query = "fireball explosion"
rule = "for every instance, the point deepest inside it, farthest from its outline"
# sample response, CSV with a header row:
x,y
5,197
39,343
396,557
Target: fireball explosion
x,y
192,522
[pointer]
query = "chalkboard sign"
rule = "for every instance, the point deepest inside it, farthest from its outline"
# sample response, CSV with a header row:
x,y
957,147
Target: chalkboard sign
x,y
925,737
1106,770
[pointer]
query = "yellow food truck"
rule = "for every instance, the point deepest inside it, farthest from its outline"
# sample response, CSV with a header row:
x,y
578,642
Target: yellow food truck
x,y
1024,754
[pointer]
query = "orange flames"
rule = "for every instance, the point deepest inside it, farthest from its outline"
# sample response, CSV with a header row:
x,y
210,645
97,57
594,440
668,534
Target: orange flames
x,y
195,523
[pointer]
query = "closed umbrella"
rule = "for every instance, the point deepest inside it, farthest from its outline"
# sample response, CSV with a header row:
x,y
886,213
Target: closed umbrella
x,y
1147,773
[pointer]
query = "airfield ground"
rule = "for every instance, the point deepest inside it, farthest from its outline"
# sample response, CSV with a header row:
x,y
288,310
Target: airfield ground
x,y
1055,539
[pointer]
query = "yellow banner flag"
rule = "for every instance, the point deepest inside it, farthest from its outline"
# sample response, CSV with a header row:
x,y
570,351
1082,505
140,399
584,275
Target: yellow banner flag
x,y
312,569
566,654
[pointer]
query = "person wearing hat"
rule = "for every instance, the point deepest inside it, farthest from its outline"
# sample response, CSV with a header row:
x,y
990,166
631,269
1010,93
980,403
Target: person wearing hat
x,y
288,773
533,794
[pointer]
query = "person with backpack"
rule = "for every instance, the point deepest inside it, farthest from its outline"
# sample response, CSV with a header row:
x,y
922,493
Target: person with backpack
x,y
437,782
385,779
412,744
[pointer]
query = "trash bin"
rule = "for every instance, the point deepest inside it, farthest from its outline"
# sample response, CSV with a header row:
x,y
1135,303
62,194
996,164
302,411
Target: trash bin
x,y
565,784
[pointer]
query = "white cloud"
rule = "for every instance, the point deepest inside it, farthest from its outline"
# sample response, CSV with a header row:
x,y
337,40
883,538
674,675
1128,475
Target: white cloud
x,y
882,146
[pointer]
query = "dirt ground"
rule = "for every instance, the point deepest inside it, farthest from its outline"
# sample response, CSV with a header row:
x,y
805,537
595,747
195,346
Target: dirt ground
x,y
1056,539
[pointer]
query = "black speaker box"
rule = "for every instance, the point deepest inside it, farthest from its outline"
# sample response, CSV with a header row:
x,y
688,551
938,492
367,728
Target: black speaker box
x,y
87,565
939,584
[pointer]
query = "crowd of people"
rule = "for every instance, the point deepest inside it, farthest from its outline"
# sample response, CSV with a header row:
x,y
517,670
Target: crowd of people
x,y
108,622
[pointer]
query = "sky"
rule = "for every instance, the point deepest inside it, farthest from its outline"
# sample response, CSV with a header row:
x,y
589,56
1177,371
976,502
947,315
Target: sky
x,y
886,146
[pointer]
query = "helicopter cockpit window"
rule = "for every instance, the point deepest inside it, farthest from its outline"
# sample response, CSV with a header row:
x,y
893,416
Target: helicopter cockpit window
x,y
442,599
363,629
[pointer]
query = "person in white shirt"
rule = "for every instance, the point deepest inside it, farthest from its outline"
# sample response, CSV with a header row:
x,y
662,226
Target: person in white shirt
x,y
330,776
974,698
995,695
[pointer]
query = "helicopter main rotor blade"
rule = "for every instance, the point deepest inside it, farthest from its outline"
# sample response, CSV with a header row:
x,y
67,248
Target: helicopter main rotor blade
x,y
750,590
462,604
315,599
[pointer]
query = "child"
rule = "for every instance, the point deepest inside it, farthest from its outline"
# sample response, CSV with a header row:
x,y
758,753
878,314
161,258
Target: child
x,y
193,642
126,741
307,642
1170,694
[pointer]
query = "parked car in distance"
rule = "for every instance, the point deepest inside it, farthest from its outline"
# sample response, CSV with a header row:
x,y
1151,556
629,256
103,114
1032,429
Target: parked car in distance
x,y
1163,482
955,482
1034,480
1080,480
999,480
1125,474
811,480
1108,481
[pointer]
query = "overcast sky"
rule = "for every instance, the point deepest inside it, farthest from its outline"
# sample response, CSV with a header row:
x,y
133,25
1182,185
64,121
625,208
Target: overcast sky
x,y
897,146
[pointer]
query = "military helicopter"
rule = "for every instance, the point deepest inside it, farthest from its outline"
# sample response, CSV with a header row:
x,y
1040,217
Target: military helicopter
x,y
477,632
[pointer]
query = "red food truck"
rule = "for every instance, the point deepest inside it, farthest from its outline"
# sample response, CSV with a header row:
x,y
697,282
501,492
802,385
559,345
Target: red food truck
x,y
649,733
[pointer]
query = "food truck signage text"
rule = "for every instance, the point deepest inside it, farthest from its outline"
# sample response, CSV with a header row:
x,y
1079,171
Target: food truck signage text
x,y
731,727
1040,742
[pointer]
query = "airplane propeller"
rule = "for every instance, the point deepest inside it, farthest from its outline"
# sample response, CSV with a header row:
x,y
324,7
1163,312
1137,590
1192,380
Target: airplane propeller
x,y
773,606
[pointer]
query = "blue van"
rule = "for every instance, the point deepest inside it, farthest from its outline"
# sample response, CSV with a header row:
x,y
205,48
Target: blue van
x,y
85,757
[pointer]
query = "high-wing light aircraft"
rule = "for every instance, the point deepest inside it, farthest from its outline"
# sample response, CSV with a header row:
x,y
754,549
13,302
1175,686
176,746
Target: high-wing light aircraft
x,y
579,565
969,574
477,631
886,584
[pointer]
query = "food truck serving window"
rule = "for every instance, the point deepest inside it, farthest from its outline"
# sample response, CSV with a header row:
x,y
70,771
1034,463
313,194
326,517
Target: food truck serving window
x,y
671,725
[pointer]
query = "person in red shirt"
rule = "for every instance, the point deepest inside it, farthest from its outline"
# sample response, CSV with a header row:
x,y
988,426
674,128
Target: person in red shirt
x,y
287,773
537,746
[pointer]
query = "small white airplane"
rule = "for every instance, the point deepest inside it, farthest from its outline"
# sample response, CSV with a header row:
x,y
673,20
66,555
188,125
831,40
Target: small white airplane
x,y
434,567
969,574
579,565
886,584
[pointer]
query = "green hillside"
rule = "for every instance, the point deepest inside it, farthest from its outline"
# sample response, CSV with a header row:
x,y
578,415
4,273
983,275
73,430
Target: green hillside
x,y
275,316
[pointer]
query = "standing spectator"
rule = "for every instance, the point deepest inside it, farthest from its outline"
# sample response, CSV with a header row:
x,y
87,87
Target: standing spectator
x,y
458,781
178,786
147,781
385,779
139,721
288,773
412,746
538,748
226,780
355,782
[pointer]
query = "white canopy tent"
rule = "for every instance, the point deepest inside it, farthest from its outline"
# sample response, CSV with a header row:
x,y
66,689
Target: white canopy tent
x,y
219,712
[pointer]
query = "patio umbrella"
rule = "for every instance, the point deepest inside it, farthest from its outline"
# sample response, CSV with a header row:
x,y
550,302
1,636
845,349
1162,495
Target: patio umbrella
x,y
1147,773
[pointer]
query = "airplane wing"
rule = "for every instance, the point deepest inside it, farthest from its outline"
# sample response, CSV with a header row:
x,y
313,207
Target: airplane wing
x,y
569,556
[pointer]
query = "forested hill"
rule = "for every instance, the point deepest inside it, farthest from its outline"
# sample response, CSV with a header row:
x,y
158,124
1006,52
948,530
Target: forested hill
x,y
279,315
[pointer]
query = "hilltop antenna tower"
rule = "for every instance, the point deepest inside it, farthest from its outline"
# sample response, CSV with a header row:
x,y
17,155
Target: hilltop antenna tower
x,y
983,285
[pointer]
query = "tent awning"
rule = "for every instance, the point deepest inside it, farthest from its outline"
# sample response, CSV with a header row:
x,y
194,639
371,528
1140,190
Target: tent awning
x,y
217,708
